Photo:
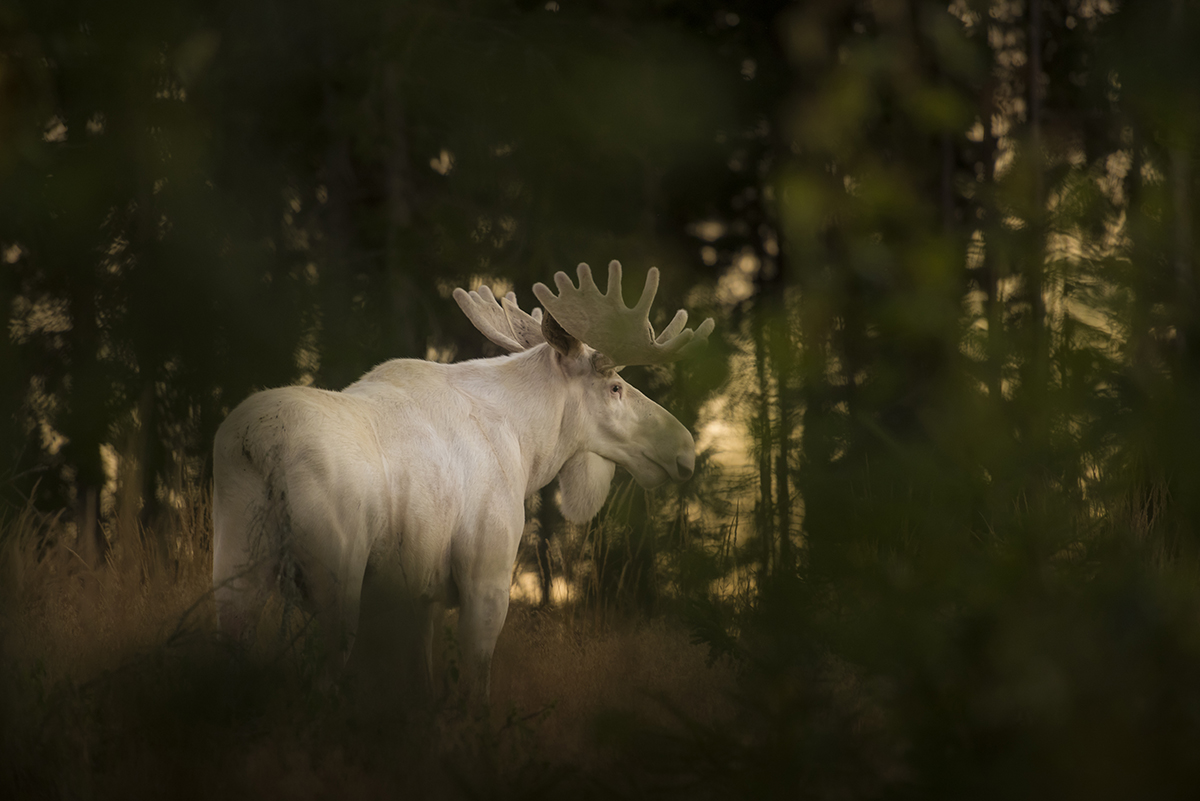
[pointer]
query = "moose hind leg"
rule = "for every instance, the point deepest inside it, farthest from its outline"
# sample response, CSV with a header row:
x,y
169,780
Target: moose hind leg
x,y
240,597
245,552
395,632
243,574
328,588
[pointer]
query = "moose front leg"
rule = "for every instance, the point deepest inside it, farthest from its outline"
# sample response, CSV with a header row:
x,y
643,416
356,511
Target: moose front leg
x,y
481,618
481,565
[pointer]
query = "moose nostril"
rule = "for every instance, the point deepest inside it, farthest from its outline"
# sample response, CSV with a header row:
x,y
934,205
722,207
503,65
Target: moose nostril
x,y
685,464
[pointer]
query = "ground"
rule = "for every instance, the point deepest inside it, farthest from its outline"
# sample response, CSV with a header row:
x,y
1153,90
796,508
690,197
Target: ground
x,y
113,684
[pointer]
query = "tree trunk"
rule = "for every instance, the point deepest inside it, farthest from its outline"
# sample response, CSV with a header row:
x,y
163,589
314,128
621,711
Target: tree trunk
x,y
783,481
1181,177
148,447
399,318
766,508
1039,375
782,352
90,544
339,349
549,521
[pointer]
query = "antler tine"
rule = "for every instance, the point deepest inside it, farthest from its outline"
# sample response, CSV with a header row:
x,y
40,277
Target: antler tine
x,y
648,291
604,321
587,284
502,322
673,328
536,314
614,281
699,340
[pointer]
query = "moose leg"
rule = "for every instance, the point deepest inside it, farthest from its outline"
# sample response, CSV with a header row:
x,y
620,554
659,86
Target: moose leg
x,y
436,615
480,621
330,586
395,631
482,572
241,592
244,568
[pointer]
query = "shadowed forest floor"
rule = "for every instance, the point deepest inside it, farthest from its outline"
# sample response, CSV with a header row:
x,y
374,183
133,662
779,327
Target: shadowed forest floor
x,y
113,685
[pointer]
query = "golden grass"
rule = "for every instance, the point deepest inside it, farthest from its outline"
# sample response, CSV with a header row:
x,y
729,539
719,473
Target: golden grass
x,y
112,684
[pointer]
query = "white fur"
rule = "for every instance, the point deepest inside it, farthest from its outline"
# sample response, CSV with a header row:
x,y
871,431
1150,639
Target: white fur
x,y
583,483
420,469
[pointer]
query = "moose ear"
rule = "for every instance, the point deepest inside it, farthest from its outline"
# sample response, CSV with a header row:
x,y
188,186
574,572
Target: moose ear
x,y
559,339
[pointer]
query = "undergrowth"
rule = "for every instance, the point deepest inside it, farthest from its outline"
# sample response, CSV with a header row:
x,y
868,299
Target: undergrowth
x,y
113,684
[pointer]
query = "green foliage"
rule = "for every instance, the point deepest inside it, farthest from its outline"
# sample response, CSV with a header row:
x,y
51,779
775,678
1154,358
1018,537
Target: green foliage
x,y
993,593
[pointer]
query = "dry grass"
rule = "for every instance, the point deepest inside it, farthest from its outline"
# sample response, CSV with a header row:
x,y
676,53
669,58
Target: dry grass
x,y
586,670
112,684
76,620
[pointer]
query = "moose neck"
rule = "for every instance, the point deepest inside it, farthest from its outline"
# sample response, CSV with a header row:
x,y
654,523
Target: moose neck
x,y
536,403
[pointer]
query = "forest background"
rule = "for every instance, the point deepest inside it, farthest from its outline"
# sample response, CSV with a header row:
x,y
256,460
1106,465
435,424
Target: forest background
x,y
944,522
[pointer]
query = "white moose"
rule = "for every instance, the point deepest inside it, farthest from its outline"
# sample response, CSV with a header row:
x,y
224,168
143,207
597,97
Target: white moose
x,y
416,474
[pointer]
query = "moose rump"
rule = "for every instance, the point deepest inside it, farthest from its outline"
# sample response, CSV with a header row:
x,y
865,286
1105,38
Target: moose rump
x,y
306,502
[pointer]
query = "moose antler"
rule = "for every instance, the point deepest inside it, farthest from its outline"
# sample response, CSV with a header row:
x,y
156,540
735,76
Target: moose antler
x,y
622,334
502,322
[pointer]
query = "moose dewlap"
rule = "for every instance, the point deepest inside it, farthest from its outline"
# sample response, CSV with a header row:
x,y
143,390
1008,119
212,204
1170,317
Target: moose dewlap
x,y
420,471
